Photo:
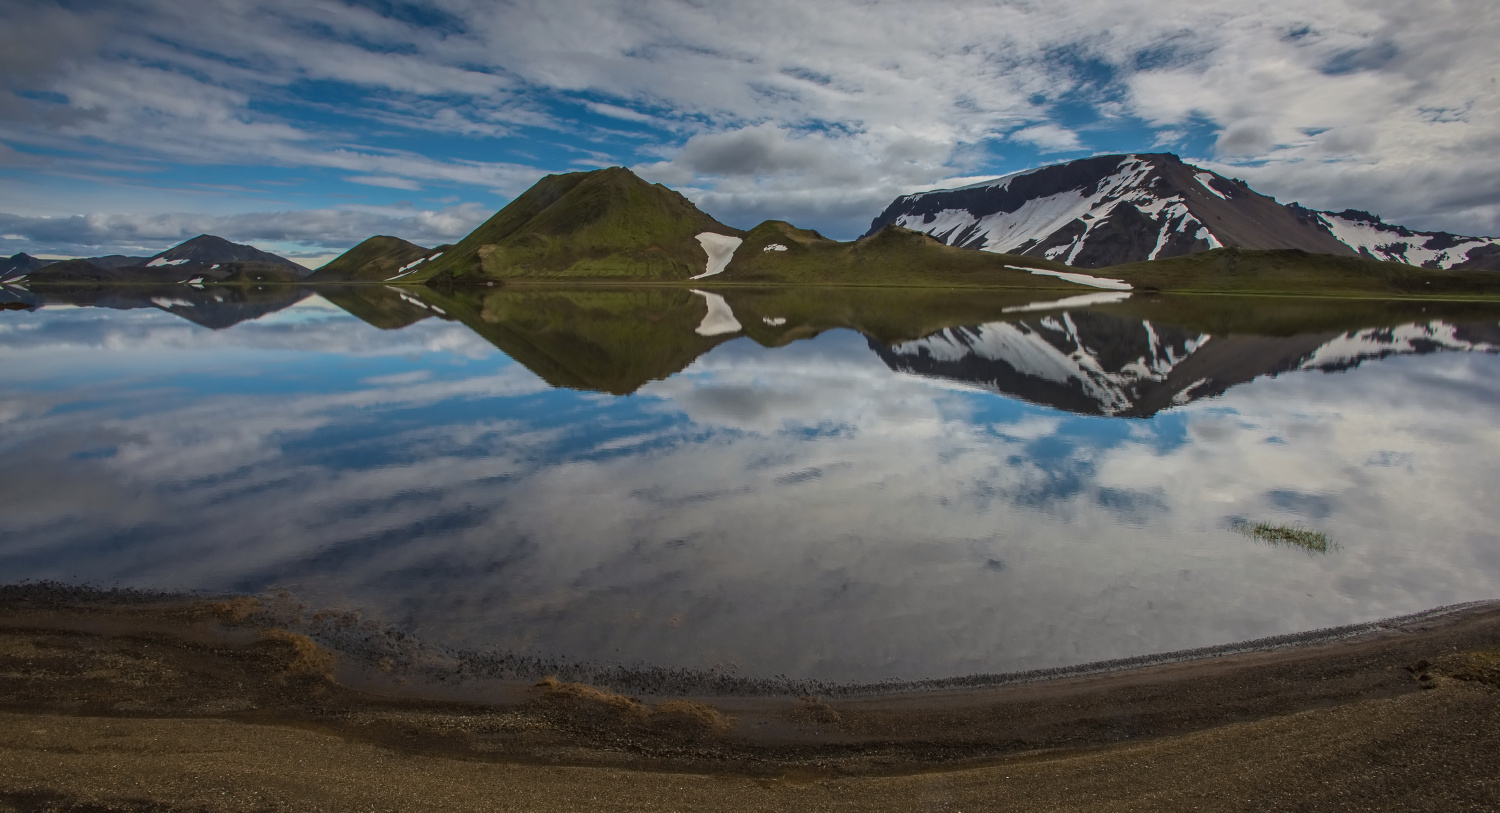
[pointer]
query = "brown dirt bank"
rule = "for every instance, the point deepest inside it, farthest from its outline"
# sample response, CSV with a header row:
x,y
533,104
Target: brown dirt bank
x,y
157,705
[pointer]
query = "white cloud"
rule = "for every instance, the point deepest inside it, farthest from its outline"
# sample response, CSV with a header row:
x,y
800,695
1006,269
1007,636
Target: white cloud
x,y
1048,138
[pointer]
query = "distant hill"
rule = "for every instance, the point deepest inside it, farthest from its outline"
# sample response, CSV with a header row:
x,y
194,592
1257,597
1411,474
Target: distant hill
x,y
117,261
19,265
203,258
206,249
377,259
607,223
1114,209
778,252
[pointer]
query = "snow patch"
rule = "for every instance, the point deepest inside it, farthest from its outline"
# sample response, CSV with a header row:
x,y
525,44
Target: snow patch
x,y
719,248
1385,242
1206,180
161,261
774,247
720,318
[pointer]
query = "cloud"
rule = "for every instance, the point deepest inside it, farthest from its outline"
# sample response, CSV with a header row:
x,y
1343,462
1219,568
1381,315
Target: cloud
x,y
335,229
1048,138
826,108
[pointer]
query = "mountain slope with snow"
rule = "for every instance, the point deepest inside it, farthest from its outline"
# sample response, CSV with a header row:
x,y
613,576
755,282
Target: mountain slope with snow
x,y
1114,209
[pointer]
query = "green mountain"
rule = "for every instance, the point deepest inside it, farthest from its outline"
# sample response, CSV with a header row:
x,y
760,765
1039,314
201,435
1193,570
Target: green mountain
x,y
605,224
1290,271
375,260
776,252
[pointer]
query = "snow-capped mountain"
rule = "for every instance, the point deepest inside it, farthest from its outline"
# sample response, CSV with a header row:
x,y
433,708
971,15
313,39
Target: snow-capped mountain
x,y
1372,237
1114,209
1097,364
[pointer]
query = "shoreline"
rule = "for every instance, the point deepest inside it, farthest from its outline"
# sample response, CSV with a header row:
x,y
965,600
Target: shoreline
x,y
91,681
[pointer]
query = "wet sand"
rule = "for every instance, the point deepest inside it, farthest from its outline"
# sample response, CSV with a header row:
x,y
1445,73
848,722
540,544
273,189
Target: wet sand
x,y
176,704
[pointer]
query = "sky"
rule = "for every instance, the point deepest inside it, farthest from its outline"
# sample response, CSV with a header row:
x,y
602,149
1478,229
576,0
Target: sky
x,y
305,126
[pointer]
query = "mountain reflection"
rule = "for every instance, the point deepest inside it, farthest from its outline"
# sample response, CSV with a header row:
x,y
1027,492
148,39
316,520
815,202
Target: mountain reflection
x,y
1100,354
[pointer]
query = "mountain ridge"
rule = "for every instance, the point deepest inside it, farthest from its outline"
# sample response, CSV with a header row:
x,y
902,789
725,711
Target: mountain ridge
x,y
1115,209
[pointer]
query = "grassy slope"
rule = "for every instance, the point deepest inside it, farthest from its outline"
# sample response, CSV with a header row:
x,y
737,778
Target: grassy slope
x,y
1233,270
609,340
376,259
605,224
892,256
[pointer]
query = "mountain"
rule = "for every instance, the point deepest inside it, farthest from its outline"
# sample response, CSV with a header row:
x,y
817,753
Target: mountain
x,y
117,261
1114,209
206,249
378,259
600,224
18,266
203,258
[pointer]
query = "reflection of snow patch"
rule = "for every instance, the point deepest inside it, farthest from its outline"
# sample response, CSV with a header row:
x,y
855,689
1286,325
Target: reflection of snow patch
x,y
1070,302
1352,348
720,248
168,302
774,247
1186,395
1081,279
774,321
720,318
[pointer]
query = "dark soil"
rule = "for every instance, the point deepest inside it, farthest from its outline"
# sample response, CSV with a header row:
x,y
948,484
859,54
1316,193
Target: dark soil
x,y
1406,713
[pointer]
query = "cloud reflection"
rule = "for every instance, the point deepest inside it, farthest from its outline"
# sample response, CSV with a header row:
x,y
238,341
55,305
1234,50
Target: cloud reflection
x,y
802,510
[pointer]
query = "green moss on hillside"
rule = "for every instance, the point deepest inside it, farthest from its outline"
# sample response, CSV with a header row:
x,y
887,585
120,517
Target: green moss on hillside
x,y
892,256
375,260
605,224
1234,270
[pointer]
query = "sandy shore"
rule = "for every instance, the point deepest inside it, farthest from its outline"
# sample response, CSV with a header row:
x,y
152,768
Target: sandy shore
x,y
146,704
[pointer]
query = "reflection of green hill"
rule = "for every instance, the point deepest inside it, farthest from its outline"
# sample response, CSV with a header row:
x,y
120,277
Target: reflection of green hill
x,y
616,339
377,305
606,340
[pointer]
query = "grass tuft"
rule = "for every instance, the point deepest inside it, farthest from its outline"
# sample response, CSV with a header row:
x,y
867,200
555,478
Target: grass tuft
x,y
303,655
1289,536
596,707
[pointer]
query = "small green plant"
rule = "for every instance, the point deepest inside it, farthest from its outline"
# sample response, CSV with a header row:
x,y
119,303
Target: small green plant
x,y
1290,536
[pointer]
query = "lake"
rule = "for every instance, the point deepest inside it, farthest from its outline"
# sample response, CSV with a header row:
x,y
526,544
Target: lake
x,y
841,485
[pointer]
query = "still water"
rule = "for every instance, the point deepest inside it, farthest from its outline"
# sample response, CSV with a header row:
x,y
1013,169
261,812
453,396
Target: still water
x,y
847,486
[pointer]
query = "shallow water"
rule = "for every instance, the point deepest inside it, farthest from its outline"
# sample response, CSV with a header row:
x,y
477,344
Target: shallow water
x,y
848,486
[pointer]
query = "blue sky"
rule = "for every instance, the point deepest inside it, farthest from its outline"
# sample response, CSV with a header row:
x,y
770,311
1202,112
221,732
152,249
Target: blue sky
x,y
303,127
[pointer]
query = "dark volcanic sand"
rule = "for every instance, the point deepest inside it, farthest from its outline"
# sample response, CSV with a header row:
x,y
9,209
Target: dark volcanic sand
x,y
121,702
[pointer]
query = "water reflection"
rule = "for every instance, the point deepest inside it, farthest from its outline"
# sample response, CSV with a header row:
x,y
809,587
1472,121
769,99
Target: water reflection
x,y
852,485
